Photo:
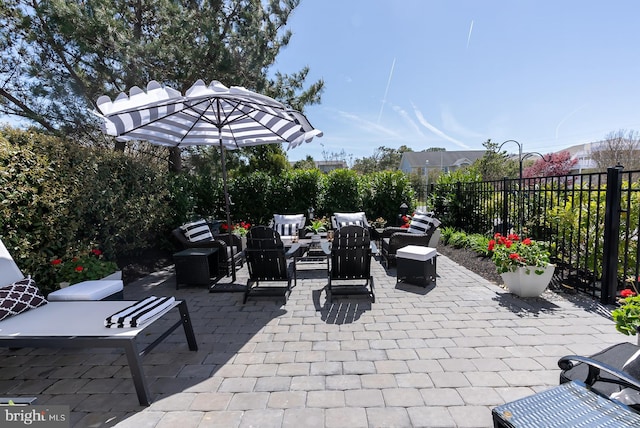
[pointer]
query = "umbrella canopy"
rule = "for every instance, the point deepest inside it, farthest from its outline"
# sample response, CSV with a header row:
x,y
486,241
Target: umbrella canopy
x,y
211,114
205,115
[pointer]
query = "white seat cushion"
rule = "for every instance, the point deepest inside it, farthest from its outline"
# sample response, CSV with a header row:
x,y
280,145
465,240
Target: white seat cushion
x,y
88,290
415,252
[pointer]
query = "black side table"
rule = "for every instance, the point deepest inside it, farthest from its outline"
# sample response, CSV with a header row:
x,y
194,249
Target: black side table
x,y
196,266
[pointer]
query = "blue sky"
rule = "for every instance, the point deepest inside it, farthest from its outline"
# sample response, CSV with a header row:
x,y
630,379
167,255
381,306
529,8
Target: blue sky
x,y
549,74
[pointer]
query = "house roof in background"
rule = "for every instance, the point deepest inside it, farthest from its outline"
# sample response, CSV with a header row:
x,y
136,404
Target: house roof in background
x,y
443,158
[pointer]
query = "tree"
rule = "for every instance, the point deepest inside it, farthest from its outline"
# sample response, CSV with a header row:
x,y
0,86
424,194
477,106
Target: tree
x,y
618,148
59,56
494,166
552,164
307,163
267,158
383,159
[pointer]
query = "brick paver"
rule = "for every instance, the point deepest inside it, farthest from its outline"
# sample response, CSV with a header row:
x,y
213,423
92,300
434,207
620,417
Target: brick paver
x,y
441,356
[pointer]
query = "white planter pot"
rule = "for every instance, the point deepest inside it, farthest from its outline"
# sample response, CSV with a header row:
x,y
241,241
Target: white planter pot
x,y
315,238
528,285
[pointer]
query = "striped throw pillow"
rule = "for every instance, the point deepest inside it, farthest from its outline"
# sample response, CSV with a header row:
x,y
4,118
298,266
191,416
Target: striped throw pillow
x,y
197,231
422,223
349,223
287,229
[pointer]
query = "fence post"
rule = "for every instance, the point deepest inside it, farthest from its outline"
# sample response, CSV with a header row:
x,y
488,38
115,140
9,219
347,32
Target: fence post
x,y
609,285
505,207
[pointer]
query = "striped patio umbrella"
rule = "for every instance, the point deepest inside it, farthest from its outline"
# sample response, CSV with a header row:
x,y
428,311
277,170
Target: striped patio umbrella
x,y
213,114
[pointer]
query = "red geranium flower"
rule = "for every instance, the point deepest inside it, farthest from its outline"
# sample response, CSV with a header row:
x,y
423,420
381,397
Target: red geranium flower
x,y
526,241
79,268
627,293
492,244
56,262
514,256
96,252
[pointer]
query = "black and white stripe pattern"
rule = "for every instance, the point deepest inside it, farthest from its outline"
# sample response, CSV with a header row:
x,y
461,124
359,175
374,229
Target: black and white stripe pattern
x,y
197,231
206,114
422,223
139,313
350,223
285,229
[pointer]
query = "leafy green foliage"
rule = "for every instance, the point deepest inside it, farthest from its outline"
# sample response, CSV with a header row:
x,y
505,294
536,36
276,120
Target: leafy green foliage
x,y
627,316
511,252
384,192
446,234
59,197
495,165
341,192
478,243
458,239
89,265
58,57
580,231
383,159
447,201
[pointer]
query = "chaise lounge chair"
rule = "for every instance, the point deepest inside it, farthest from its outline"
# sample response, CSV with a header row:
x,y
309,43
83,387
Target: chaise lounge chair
x,y
82,325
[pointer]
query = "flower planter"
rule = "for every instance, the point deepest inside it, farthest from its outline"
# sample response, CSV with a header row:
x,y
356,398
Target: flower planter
x,y
528,285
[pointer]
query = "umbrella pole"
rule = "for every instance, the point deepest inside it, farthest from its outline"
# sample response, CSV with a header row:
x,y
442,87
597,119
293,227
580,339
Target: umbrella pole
x,y
227,206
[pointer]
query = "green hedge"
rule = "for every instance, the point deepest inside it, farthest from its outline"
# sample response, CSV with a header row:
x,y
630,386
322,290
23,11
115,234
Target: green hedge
x,y
60,199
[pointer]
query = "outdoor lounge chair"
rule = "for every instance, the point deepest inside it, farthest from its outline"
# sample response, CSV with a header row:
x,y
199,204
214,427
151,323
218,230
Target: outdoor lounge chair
x,y
228,251
608,371
350,255
81,324
394,238
268,261
584,396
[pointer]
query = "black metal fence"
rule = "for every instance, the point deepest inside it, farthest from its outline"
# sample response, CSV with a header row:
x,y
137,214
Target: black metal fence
x,y
589,220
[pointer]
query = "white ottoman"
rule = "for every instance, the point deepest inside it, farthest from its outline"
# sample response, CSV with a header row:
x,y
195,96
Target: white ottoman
x,y
102,289
416,264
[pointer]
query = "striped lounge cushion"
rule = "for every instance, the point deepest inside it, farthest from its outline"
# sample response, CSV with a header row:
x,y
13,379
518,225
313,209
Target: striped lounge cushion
x,y
197,231
139,313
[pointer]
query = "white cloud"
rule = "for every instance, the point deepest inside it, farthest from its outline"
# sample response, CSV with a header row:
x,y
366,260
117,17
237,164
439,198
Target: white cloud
x,y
435,130
451,124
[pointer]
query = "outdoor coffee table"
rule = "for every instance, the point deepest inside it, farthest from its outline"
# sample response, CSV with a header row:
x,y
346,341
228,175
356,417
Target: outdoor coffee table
x,y
311,255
